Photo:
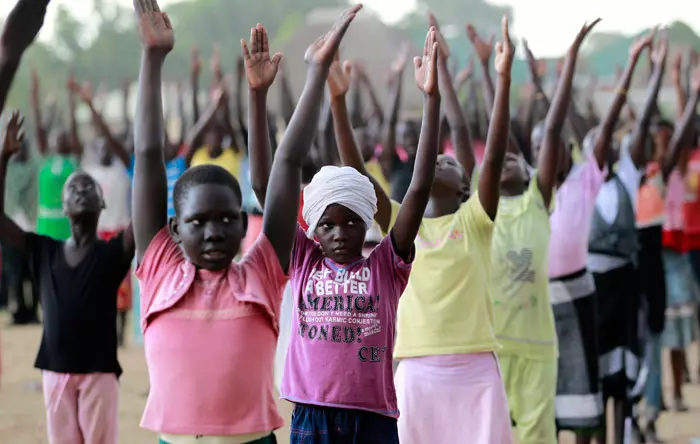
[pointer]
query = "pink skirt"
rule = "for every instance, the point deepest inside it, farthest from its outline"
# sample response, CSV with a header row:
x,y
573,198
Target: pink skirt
x,y
452,398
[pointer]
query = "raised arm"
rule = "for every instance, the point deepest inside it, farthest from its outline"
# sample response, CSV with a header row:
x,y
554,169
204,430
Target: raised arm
x,y
556,116
604,139
461,139
282,207
683,127
72,120
19,31
150,194
286,98
499,128
643,120
195,68
238,99
416,199
260,71
386,158
339,80
483,50
10,232
196,133
41,133
115,146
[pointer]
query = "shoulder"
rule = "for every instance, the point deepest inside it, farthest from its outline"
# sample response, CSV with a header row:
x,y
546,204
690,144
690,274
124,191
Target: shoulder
x,y
472,212
161,256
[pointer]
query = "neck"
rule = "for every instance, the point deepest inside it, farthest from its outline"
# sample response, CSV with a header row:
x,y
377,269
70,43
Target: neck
x,y
84,229
442,206
511,190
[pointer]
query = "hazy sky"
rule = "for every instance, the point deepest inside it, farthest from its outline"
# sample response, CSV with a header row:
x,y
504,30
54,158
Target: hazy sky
x,y
549,25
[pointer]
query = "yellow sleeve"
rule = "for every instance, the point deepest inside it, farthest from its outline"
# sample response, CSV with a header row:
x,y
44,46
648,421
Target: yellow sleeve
x,y
395,207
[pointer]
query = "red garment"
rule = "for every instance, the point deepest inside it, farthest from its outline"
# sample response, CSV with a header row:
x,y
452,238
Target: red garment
x,y
300,217
124,295
676,240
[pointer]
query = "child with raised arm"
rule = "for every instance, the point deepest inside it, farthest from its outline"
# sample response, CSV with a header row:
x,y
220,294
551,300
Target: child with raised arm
x,y
448,382
346,304
77,280
202,389
524,323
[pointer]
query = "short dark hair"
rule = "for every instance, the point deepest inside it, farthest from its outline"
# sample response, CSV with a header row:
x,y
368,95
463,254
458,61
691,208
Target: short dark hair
x,y
204,175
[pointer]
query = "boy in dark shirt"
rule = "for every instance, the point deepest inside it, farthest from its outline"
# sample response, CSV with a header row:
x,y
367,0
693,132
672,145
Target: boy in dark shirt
x,y
77,280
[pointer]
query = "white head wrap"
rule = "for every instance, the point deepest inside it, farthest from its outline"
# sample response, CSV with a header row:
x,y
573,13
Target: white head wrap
x,y
338,185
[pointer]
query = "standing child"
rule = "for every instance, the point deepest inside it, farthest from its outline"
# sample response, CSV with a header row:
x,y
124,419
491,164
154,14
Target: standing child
x,y
346,303
448,381
524,322
202,389
77,281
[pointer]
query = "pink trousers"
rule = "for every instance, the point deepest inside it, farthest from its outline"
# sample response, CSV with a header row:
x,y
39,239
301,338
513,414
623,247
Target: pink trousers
x,y
452,399
81,409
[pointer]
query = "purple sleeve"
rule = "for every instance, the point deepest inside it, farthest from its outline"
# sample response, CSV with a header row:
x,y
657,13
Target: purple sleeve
x,y
389,266
303,250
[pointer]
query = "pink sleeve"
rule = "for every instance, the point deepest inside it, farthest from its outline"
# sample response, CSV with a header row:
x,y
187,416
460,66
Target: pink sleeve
x,y
261,260
592,177
303,250
159,259
390,266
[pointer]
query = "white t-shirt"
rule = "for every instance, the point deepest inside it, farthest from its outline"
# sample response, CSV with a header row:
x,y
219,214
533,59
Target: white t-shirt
x,y
116,185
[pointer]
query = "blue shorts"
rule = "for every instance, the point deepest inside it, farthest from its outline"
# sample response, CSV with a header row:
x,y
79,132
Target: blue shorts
x,y
326,425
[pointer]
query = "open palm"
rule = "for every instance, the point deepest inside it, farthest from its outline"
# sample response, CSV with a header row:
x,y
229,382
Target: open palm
x,y
322,50
260,69
13,135
426,66
504,51
339,77
155,30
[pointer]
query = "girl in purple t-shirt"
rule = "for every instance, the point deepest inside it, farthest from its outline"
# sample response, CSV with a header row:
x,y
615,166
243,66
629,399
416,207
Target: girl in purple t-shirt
x,y
338,368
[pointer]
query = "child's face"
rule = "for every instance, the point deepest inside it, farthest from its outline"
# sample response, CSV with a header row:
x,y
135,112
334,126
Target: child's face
x,y
513,172
408,136
63,143
449,176
341,234
81,195
209,225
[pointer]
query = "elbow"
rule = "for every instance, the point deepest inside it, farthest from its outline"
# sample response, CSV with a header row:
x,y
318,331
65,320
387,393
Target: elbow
x,y
259,189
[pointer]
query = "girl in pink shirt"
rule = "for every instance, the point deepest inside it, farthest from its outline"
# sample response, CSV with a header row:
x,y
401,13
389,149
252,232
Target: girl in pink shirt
x,y
210,325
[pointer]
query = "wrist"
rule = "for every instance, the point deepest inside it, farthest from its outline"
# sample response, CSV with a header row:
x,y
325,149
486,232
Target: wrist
x,y
153,58
258,93
338,99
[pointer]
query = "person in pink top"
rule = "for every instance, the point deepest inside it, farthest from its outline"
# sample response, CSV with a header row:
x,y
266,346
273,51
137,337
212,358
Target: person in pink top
x,y
338,368
210,325
579,404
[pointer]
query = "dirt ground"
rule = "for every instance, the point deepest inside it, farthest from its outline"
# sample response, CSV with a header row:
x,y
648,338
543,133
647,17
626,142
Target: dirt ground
x,y
22,410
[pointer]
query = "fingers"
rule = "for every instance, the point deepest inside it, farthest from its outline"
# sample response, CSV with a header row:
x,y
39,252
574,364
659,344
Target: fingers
x,y
276,60
471,32
340,28
499,48
417,63
504,30
433,60
347,68
432,21
166,20
428,41
265,42
253,43
244,48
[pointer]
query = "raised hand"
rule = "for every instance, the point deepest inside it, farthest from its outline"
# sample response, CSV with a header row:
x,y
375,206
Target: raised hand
x,y
215,62
12,141
642,43
483,48
426,67
155,30
695,80
677,66
401,59
660,51
35,82
444,48
195,62
260,69
504,51
465,74
21,27
339,77
322,50
581,36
